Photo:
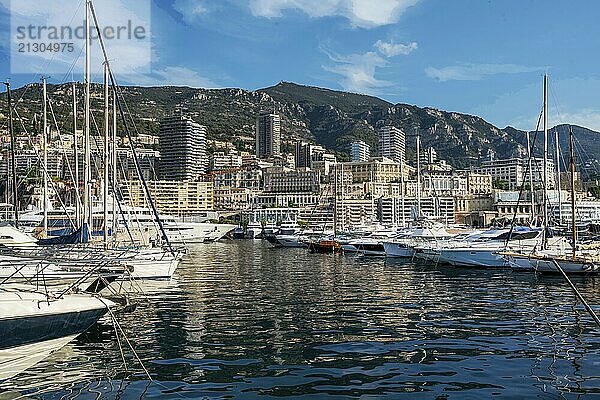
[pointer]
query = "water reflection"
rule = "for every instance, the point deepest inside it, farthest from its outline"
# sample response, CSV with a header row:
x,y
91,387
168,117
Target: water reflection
x,y
247,321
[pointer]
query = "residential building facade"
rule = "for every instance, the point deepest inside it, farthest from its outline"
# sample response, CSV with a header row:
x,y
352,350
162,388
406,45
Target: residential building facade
x,y
268,134
182,145
392,143
360,151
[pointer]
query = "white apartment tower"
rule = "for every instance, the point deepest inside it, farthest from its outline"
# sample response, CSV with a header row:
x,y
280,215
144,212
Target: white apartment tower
x,y
392,143
360,151
268,134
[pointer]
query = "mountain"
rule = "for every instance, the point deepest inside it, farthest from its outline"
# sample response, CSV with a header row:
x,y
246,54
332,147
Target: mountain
x,y
331,118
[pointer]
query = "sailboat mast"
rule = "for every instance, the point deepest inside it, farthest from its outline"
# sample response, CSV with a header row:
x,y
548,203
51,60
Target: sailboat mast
x,y
402,189
545,158
106,164
114,163
558,175
76,159
12,155
45,156
418,172
343,197
573,211
87,206
335,181
531,188
372,190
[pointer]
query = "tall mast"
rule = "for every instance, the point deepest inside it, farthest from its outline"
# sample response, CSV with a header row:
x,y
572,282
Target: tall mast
x,y
372,190
531,188
45,156
76,157
335,173
545,159
418,172
87,206
106,164
573,211
402,187
12,155
114,163
558,175
342,200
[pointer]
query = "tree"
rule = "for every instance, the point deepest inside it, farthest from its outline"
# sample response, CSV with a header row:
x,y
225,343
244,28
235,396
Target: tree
x,y
500,184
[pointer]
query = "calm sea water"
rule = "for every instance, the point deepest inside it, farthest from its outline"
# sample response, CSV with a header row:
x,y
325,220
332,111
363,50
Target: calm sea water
x,y
242,320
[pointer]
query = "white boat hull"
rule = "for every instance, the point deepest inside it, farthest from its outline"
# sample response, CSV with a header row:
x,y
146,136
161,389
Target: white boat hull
x,y
472,257
15,360
33,326
568,266
398,250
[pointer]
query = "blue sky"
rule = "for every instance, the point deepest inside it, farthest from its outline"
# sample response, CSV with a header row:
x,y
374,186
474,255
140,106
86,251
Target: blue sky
x,y
479,57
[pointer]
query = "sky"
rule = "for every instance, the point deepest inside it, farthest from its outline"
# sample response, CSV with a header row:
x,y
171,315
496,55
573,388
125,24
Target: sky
x,y
485,58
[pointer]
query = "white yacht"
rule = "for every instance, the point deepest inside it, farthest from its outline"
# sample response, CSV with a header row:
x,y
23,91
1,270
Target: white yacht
x,y
254,230
24,260
137,221
34,325
370,244
480,249
288,235
403,246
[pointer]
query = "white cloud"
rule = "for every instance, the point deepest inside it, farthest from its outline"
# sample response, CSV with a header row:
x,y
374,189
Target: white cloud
x,y
171,76
131,54
358,71
361,13
587,117
476,72
190,9
392,49
570,101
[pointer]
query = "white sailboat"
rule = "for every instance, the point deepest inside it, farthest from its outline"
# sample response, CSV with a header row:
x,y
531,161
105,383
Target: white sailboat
x,y
554,260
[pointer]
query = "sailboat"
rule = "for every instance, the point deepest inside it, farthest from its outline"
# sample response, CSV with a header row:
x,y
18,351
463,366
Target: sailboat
x,y
577,261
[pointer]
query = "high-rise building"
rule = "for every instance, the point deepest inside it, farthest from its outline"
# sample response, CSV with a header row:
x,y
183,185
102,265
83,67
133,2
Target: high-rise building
x,y
392,143
182,145
307,154
429,156
360,151
303,155
268,134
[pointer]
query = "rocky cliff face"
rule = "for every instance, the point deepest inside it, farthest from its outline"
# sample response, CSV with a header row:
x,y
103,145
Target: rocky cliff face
x,y
331,118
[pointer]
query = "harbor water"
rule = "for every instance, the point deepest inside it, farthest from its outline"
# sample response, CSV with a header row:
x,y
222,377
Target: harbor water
x,y
243,320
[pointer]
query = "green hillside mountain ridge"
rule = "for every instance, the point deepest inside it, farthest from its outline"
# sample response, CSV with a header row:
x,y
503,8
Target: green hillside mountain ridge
x,y
327,117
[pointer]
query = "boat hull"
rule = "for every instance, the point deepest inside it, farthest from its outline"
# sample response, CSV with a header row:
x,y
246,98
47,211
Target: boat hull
x,y
17,359
398,250
481,258
568,266
32,327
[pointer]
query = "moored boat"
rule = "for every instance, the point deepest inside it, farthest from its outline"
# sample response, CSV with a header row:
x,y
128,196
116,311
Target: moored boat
x,y
33,325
